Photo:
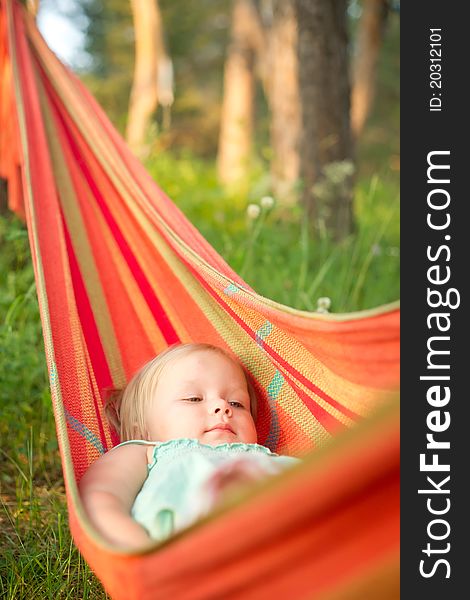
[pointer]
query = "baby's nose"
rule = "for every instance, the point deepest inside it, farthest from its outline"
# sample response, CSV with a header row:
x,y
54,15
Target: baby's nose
x,y
222,407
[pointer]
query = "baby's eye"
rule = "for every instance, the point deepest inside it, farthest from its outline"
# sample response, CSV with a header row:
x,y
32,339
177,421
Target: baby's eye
x,y
236,404
193,399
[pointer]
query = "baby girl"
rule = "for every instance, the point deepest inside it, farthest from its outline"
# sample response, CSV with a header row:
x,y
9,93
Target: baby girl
x,y
187,424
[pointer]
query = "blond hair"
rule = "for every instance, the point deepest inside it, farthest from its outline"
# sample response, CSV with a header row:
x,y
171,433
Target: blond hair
x,y
126,409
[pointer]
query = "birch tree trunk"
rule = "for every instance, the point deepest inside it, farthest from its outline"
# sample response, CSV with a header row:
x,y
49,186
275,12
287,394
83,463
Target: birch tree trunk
x,y
149,49
236,124
369,39
326,149
282,85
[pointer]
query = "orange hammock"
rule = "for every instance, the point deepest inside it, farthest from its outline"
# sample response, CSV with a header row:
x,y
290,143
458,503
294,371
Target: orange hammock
x,y
121,274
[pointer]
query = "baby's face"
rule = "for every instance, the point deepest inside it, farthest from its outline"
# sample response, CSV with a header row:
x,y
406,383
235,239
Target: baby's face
x,y
204,396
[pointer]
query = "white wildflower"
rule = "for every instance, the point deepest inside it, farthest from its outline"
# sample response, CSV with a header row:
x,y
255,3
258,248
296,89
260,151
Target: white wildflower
x,y
348,167
336,172
267,202
333,173
321,189
253,211
323,304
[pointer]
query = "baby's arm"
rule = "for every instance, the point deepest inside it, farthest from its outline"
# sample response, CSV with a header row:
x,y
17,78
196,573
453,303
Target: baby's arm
x,y
108,490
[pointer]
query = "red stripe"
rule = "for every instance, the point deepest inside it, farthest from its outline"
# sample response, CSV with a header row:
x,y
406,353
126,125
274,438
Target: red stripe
x,y
328,421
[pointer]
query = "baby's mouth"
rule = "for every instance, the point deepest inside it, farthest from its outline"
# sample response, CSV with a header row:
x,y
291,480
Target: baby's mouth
x,y
222,427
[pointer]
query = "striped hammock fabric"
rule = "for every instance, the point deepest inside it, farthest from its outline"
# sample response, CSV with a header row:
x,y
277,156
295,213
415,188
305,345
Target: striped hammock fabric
x,y
121,274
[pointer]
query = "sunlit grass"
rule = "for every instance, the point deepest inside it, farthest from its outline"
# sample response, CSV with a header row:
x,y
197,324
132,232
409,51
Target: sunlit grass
x,y
37,556
276,253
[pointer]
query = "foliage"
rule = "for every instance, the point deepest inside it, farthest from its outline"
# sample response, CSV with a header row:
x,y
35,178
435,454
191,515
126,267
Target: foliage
x,y
195,36
38,558
378,150
109,40
278,241
21,357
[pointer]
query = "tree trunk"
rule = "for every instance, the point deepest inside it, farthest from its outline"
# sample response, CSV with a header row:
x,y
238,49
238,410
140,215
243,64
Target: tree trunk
x,y
369,39
326,150
236,125
149,50
282,85
3,196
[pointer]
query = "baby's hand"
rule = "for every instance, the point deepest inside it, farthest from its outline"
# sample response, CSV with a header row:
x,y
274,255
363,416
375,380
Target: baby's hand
x,y
233,477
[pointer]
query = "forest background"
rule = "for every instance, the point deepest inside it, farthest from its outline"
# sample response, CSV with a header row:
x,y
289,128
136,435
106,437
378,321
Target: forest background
x,y
240,177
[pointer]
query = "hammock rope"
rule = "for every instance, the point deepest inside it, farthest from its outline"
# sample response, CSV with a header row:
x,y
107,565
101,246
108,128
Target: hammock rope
x,y
121,274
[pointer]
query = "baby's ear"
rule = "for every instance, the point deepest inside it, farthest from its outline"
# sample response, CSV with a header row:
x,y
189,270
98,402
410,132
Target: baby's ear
x,y
134,431
138,433
112,403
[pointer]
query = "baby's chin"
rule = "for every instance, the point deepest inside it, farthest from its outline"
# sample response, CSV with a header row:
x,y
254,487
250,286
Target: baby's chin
x,y
216,437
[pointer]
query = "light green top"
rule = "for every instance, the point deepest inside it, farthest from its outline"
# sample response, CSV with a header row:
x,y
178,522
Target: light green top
x,y
179,488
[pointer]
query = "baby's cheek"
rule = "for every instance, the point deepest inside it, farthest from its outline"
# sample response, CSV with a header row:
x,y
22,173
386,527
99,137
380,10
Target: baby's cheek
x,y
251,433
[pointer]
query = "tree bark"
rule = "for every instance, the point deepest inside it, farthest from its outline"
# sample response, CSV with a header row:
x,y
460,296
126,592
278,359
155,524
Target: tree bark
x,y
282,85
369,40
3,196
149,50
236,125
325,98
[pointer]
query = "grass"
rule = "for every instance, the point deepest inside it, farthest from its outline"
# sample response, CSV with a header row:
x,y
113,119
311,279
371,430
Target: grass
x,y
38,557
278,241
274,253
